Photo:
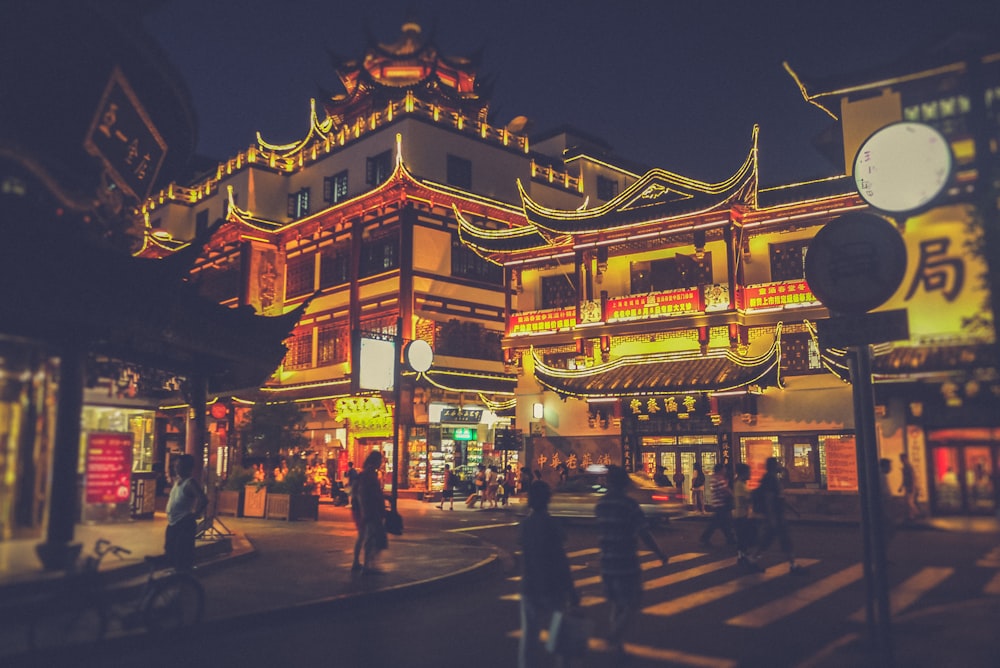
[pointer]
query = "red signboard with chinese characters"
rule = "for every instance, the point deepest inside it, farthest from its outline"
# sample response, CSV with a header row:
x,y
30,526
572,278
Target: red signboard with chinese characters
x,y
778,295
654,305
542,321
109,467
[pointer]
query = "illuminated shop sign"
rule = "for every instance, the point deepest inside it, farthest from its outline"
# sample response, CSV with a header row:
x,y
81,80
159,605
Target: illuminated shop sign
x,y
549,320
778,295
109,468
680,406
361,408
464,434
654,305
462,415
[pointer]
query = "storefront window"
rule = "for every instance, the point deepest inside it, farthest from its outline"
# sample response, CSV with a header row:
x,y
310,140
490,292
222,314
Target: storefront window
x,y
801,469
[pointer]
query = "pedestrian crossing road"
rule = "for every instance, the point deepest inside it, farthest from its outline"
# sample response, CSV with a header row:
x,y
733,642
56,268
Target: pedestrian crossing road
x,y
704,594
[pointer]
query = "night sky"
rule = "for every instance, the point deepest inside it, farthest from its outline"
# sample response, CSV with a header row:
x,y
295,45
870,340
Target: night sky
x,y
675,85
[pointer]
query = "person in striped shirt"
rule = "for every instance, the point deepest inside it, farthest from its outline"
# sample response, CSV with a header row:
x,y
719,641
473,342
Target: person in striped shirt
x,y
621,524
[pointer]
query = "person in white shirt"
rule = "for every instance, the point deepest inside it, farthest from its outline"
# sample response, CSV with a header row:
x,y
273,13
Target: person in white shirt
x,y
186,503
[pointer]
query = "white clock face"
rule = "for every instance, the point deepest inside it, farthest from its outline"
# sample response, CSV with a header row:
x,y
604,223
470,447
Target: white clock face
x,y
419,355
903,167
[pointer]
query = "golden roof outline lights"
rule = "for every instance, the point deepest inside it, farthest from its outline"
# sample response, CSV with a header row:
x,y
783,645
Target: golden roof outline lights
x,y
635,190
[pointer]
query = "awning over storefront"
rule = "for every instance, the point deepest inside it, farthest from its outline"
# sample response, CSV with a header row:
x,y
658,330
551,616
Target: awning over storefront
x,y
662,374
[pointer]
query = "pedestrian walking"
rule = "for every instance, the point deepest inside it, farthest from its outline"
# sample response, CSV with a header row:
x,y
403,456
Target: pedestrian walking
x,y
888,505
698,488
448,492
186,503
351,476
524,482
909,488
620,525
368,511
492,487
546,582
679,484
508,482
773,505
743,526
722,508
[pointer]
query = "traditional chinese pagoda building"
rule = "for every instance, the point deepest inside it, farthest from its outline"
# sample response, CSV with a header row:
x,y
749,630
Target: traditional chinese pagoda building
x,y
360,219
673,325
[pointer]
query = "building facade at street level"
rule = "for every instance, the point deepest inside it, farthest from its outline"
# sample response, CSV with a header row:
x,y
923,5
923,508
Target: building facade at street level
x,y
90,334
673,325
359,221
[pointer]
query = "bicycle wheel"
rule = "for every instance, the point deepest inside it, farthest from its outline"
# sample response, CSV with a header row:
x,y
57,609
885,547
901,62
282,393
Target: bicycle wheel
x,y
174,602
67,623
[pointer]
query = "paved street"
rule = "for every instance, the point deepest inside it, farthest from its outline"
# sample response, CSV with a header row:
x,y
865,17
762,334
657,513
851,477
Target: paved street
x,y
296,600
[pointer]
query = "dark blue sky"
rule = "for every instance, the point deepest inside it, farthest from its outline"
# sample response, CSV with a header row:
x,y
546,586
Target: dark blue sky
x,y
676,85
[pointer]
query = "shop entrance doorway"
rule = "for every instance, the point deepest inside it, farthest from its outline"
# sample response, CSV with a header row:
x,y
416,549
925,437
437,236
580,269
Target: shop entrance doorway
x,y
963,465
680,454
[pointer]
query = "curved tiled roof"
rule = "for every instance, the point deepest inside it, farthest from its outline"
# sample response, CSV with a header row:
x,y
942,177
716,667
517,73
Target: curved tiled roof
x,y
662,374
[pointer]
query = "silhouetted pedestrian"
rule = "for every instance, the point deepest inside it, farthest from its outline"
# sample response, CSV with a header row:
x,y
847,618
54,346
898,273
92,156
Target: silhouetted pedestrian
x,y
368,511
722,507
620,524
742,524
774,522
698,489
448,492
546,583
185,505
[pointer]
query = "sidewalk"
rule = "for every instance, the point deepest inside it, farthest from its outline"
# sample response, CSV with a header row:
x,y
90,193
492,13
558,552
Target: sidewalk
x,y
267,566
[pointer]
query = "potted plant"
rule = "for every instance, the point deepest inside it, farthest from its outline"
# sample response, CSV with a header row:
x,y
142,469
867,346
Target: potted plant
x,y
230,500
291,498
269,430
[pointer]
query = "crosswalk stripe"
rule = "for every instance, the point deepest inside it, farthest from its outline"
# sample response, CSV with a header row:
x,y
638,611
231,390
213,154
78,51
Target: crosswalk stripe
x,y
711,594
673,578
646,565
596,579
991,560
583,553
906,593
671,656
786,605
993,586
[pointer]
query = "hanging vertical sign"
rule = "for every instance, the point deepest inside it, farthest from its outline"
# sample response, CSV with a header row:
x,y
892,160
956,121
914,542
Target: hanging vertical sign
x,y
109,467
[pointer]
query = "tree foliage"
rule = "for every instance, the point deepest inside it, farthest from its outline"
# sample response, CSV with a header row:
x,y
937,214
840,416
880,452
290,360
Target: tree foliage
x,y
272,429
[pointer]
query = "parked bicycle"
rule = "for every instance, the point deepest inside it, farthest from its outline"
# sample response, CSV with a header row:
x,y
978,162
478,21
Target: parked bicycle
x,y
86,607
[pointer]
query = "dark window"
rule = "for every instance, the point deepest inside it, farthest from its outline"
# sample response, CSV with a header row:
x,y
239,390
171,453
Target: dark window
x,y
298,204
300,276
460,172
221,283
788,260
800,354
378,168
299,350
466,264
382,324
379,254
200,222
333,344
672,273
606,188
334,267
559,291
335,187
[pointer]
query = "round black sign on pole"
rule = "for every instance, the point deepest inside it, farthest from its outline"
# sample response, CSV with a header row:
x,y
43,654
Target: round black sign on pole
x,y
855,263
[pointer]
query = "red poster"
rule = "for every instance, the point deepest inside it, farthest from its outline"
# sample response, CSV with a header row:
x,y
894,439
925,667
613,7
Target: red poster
x,y
109,468
654,305
841,464
542,321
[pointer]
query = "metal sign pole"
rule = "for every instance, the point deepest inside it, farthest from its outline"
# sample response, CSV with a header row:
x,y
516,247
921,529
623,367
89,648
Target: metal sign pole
x,y
871,503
